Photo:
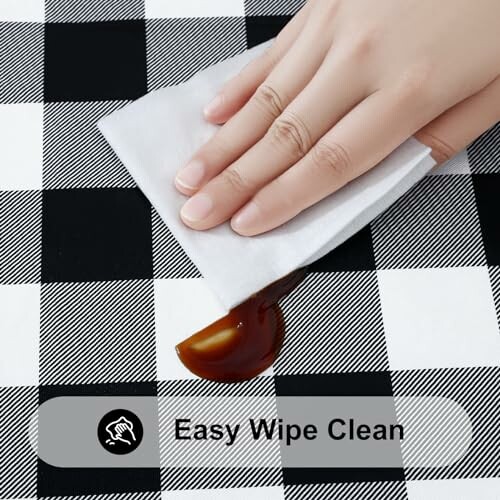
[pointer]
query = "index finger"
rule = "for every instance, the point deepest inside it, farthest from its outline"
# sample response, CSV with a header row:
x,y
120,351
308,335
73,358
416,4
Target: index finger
x,y
250,124
238,90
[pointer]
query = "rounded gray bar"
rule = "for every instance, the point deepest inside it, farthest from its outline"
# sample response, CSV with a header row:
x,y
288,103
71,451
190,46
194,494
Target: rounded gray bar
x,y
252,432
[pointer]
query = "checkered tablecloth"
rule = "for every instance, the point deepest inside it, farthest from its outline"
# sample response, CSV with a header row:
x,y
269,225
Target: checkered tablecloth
x,y
93,287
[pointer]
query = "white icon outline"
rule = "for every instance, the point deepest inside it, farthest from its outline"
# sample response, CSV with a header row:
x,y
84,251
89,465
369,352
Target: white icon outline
x,y
121,425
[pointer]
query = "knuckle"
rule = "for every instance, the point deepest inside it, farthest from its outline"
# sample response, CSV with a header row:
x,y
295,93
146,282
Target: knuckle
x,y
232,178
362,44
291,133
331,158
269,99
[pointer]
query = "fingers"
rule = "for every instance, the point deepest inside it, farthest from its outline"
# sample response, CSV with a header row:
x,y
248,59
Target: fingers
x,y
299,188
358,142
246,127
459,126
236,92
289,139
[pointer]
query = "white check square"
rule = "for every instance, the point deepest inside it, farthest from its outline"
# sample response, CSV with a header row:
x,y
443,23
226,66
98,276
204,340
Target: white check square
x,y
22,11
454,489
20,327
182,307
194,8
255,493
21,132
439,318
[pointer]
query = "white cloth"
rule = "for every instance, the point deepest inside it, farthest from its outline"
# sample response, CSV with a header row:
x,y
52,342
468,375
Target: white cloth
x,y
156,135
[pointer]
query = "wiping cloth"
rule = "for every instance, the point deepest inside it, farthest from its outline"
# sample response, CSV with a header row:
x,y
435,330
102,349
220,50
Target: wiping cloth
x,y
155,135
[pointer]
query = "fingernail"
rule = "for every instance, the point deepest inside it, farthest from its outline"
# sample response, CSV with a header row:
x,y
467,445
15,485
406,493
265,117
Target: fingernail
x,y
213,106
191,175
197,208
246,217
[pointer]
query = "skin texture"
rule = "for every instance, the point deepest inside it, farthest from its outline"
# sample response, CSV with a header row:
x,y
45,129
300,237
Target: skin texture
x,y
344,84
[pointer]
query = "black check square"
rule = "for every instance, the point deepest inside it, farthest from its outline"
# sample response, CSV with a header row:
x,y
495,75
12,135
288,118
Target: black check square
x,y
359,384
21,62
487,190
333,324
263,28
95,61
355,254
484,152
96,321
178,48
434,225
272,7
71,481
96,235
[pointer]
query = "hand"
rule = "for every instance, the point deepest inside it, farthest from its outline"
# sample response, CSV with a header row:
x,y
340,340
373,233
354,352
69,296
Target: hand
x,y
344,84
121,430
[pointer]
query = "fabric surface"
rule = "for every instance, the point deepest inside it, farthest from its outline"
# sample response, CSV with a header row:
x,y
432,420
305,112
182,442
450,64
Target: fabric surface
x,y
95,291
157,134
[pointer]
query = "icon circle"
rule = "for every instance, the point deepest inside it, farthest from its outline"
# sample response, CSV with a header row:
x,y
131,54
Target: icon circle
x,y
120,432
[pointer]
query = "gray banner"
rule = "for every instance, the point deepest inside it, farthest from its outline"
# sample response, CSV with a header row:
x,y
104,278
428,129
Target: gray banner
x,y
254,432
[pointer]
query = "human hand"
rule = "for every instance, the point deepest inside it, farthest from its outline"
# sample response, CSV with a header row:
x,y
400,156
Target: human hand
x,y
344,84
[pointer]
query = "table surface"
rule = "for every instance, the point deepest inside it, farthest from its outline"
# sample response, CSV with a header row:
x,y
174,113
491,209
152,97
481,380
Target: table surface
x,y
94,290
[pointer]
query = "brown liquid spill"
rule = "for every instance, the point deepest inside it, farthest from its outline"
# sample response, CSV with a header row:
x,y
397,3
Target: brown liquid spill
x,y
244,343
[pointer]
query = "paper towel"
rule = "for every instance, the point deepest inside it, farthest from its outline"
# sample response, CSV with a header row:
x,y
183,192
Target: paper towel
x,y
155,135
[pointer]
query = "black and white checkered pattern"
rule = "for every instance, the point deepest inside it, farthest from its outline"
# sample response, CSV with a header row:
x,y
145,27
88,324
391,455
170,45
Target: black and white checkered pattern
x,y
95,291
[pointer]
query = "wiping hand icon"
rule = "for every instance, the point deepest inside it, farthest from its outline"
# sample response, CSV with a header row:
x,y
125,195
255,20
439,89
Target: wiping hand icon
x,y
120,430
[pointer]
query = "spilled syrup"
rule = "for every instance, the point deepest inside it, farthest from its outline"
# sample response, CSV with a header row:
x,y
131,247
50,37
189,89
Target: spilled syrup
x,y
244,343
